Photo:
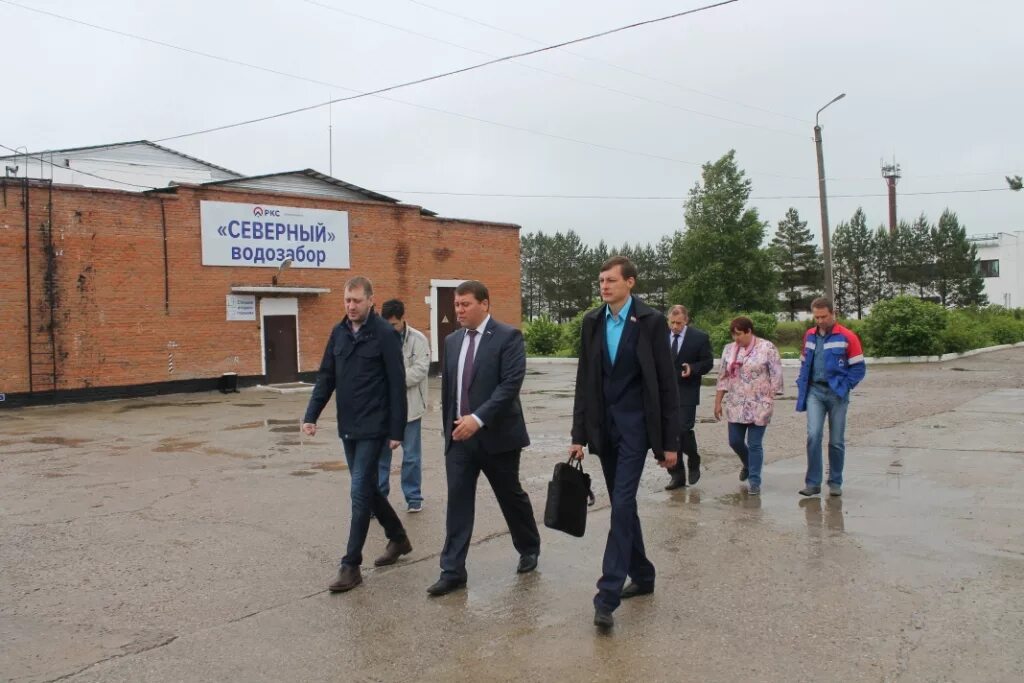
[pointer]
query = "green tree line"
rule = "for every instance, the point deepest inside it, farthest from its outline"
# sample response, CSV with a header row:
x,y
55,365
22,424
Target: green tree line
x,y
722,261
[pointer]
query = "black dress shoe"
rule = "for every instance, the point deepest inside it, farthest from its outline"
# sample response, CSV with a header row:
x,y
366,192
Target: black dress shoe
x,y
603,619
678,481
527,563
446,586
744,474
635,589
694,474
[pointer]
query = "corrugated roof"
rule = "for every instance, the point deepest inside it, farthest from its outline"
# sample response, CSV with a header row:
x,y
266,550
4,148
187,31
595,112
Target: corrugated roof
x,y
313,174
127,144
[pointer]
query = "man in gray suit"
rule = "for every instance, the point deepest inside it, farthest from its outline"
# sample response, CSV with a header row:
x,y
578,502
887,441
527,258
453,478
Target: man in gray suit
x,y
484,431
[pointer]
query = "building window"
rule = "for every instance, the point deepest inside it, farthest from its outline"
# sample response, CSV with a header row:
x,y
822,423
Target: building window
x,y
989,268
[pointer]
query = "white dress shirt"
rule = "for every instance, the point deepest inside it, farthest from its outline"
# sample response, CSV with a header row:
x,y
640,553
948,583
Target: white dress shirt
x,y
462,360
672,336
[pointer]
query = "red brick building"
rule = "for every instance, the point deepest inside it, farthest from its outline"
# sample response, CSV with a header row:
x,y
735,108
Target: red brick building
x,y
105,292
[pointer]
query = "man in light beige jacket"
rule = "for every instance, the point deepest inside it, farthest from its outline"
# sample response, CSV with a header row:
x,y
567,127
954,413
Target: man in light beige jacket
x,y
416,351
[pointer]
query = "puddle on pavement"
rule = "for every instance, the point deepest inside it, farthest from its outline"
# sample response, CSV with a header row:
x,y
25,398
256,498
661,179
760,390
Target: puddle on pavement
x,y
330,466
214,450
58,441
28,451
161,404
56,475
177,446
302,473
248,405
244,425
829,515
290,429
741,499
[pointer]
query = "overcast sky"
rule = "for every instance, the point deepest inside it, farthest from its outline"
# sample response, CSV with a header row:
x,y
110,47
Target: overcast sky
x,y
934,84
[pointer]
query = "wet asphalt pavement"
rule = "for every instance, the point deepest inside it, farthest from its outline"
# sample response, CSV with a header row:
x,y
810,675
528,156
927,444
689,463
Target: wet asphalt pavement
x,y
192,537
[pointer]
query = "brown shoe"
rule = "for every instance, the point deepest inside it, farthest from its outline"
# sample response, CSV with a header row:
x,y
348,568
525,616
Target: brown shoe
x,y
347,579
393,551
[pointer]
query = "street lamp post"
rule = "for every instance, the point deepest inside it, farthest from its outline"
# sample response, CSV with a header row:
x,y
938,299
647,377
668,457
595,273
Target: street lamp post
x,y
826,248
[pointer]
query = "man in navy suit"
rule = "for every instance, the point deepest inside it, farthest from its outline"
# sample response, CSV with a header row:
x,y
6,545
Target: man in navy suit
x,y
484,431
691,354
626,404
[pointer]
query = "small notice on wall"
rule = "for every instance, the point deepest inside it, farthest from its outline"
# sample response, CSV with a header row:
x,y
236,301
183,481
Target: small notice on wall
x,y
241,306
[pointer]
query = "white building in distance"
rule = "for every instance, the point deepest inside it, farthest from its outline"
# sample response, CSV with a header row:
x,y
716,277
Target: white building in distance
x,y
1001,260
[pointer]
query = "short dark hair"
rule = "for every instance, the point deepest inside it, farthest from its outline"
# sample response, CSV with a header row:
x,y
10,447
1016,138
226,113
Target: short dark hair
x,y
741,324
474,287
823,302
626,266
360,281
392,308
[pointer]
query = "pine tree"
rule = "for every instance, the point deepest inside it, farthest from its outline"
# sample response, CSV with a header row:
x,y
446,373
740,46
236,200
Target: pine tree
x,y
851,252
957,279
914,270
719,258
882,263
797,263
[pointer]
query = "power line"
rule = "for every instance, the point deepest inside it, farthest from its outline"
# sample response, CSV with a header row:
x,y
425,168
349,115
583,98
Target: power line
x,y
73,170
424,107
172,46
592,84
446,74
671,198
611,64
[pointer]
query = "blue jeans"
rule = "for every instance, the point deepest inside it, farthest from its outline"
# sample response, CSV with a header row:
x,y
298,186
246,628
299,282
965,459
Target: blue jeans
x,y
746,441
362,456
412,465
822,401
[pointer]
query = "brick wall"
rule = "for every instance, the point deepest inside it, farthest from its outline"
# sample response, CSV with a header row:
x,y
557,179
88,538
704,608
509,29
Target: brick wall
x,y
114,326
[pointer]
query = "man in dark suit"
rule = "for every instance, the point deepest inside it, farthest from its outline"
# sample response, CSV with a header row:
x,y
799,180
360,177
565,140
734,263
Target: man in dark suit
x,y
484,431
626,404
691,353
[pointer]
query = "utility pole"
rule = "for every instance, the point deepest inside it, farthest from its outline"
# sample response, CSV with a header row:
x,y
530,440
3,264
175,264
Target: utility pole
x,y
826,248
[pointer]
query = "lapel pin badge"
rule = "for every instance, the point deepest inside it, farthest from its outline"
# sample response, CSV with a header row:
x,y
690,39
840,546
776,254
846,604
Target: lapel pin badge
x,y
632,318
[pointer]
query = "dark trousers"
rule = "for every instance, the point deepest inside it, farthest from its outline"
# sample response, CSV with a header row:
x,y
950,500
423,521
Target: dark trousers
x,y
464,462
363,458
687,442
622,461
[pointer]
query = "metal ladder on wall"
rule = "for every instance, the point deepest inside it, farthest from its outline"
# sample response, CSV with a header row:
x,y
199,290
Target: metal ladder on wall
x,y
42,345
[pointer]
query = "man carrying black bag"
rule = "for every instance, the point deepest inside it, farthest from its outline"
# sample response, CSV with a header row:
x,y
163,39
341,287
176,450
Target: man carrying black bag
x,y
626,404
569,496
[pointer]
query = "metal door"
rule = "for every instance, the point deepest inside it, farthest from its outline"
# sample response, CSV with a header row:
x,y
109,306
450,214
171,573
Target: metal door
x,y
282,358
445,323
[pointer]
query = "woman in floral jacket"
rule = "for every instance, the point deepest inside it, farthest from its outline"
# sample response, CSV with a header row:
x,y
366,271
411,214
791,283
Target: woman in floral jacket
x,y
748,379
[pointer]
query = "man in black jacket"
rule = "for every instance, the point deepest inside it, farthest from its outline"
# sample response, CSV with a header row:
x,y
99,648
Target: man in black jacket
x,y
626,404
363,367
691,354
484,431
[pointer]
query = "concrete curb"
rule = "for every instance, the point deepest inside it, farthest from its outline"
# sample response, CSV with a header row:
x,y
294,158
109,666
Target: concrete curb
x,y
795,362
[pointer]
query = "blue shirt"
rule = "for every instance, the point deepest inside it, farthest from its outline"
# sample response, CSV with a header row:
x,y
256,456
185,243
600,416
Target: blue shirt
x,y
614,325
818,373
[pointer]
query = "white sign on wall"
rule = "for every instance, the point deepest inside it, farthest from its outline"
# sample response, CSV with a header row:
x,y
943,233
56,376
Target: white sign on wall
x,y
241,306
260,235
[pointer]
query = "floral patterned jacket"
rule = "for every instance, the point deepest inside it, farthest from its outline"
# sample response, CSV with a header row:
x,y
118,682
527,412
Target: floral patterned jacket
x,y
750,377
